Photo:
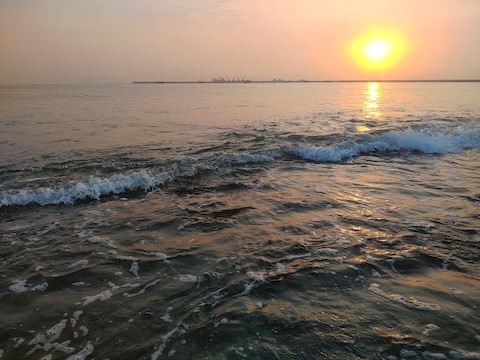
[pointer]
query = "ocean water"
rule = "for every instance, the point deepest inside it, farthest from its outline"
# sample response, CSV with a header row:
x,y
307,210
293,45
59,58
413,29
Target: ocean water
x,y
240,221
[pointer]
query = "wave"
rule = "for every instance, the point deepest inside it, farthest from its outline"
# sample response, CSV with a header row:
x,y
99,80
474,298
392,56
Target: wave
x,y
427,142
94,188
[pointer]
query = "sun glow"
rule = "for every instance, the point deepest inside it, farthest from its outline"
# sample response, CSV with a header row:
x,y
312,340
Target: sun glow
x,y
377,50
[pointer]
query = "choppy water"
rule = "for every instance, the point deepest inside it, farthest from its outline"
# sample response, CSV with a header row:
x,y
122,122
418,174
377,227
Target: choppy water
x,y
231,221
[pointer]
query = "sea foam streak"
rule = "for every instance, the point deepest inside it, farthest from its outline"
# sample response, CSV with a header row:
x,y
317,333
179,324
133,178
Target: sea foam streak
x,y
409,140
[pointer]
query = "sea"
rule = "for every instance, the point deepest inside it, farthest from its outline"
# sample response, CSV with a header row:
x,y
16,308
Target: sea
x,y
282,220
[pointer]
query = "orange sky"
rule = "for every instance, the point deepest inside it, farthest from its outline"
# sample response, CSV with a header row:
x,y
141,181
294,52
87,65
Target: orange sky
x,y
58,41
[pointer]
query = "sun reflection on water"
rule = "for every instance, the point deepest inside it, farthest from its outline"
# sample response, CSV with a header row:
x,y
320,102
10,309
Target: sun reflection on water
x,y
371,104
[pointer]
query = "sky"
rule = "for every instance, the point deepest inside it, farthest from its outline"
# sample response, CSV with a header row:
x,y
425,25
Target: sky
x,y
116,41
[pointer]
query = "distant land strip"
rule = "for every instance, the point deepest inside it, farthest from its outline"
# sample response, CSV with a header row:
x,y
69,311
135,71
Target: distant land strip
x,y
308,81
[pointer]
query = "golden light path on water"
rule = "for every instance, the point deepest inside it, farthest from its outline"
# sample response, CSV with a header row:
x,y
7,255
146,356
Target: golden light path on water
x,y
370,106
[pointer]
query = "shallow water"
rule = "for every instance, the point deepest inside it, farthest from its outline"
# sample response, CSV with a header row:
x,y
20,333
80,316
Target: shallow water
x,y
230,221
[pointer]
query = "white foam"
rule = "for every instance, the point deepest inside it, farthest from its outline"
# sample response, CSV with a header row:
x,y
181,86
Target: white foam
x,y
49,228
456,291
18,341
434,356
93,188
279,267
464,355
104,295
258,279
430,328
325,251
125,257
101,240
410,302
166,318
428,142
223,321
393,261
404,353
84,330
161,256
134,269
78,263
150,284
82,354
18,286
52,334
63,347
187,278
126,285
299,256
76,314
165,339
42,287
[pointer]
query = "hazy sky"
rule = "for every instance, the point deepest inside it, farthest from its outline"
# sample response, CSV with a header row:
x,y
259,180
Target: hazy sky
x,y
65,41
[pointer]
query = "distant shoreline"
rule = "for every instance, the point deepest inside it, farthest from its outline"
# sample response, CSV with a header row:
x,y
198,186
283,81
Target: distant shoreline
x,y
306,81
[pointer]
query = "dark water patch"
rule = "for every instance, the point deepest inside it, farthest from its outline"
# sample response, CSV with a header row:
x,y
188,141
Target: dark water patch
x,y
232,186
203,224
295,230
412,239
415,262
263,331
473,198
272,250
460,250
201,186
246,172
273,324
470,231
217,148
164,222
306,205
322,224
312,139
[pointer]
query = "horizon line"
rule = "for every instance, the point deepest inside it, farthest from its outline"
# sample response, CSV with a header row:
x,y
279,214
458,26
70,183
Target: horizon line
x,y
274,81
296,81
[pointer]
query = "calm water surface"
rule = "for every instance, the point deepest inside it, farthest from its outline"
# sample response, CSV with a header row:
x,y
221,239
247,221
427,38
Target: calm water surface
x,y
231,221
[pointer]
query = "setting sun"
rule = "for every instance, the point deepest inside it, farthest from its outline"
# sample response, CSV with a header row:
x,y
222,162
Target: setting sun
x,y
377,50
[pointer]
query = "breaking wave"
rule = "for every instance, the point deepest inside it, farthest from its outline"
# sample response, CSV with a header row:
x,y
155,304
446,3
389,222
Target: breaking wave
x,y
423,141
93,188
406,140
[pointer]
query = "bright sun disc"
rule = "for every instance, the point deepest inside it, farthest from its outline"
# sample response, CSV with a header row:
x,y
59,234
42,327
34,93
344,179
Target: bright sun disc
x,y
377,50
